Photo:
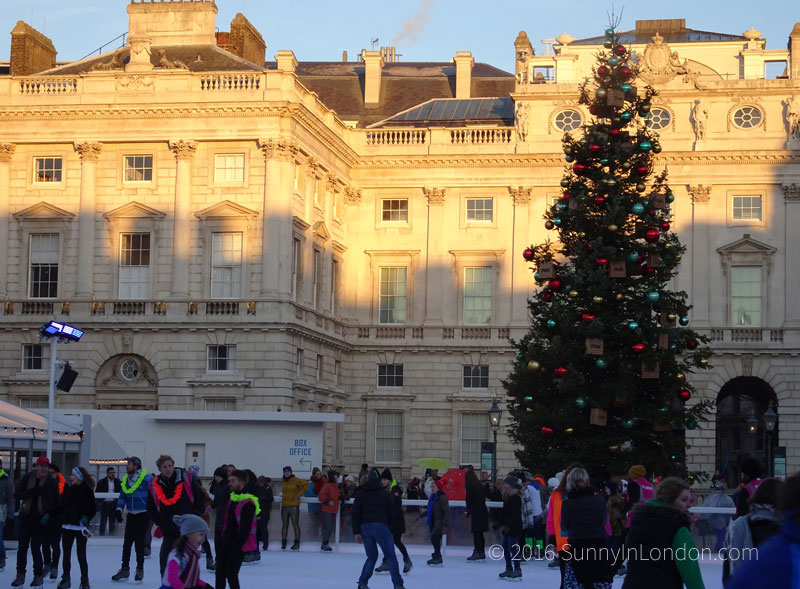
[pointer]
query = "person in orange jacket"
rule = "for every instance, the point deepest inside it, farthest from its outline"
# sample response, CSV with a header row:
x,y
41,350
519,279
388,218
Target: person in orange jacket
x,y
329,497
554,518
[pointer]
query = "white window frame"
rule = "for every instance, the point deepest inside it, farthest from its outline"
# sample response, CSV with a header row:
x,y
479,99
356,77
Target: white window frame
x,y
225,173
468,382
400,212
334,284
316,277
299,363
219,404
732,195
320,366
469,301
227,265
388,437
297,267
143,284
393,375
478,212
212,355
384,300
337,372
28,357
57,169
33,402
52,237
144,168
735,317
474,431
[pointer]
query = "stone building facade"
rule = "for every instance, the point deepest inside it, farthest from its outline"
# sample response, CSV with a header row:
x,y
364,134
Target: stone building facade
x,y
241,235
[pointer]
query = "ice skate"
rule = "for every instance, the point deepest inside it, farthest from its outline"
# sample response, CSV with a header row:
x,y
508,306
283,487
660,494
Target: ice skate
x,y
19,581
38,581
122,574
325,548
407,565
65,583
436,561
139,575
384,568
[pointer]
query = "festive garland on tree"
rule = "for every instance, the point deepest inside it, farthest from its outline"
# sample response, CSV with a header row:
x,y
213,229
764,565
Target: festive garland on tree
x,y
128,490
237,497
163,499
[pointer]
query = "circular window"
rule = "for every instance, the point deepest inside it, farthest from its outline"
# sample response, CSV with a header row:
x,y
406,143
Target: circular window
x,y
568,120
657,119
747,117
129,369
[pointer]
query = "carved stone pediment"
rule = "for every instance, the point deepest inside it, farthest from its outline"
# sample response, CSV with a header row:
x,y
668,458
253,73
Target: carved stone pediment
x,y
43,211
659,64
747,245
321,231
134,210
226,210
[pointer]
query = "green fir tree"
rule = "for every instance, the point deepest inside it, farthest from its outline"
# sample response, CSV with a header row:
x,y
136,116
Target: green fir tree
x,y
608,339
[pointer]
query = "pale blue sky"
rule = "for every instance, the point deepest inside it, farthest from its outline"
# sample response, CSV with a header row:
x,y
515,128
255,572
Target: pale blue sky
x,y
319,30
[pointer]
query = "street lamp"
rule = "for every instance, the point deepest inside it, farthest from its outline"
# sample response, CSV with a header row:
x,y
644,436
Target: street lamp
x,y
494,422
752,425
770,421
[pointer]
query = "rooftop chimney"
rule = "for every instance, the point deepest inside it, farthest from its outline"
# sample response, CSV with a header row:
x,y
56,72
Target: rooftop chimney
x,y
247,42
287,62
189,22
794,52
344,56
464,64
373,67
31,51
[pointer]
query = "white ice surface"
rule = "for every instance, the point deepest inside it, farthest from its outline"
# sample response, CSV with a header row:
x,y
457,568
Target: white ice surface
x,y
310,568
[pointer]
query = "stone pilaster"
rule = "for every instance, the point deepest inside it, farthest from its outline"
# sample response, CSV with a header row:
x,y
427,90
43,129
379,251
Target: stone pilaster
x,y
6,154
89,153
520,272
436,265
700,295
184,152
791,196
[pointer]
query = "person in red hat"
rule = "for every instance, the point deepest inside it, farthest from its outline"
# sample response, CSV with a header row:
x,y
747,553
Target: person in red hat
x,y
438,519
38,493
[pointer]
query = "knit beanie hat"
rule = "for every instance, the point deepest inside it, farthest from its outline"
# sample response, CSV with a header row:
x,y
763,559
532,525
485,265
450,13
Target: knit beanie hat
x,y
553,483
136,461
190,524
221,472
637,471
512,481
387,474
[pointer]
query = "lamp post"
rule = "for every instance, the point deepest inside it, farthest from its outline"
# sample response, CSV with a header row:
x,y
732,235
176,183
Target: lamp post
x,y
494,422
770,421
752,425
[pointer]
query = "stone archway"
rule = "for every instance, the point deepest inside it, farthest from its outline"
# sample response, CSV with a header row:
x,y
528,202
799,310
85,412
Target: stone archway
x,y
126,381
741,400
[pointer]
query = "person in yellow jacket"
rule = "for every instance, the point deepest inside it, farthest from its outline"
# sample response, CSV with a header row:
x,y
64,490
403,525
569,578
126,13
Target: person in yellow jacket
x,y
291,490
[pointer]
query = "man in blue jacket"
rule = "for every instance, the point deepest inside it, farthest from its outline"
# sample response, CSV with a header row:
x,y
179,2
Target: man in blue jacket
x,y
777,563
133,498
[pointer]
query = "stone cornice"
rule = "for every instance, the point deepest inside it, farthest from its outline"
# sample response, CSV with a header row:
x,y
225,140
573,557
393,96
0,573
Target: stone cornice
x,y
435,196
699,193
7,151
89,151
791,192
521,196
183,149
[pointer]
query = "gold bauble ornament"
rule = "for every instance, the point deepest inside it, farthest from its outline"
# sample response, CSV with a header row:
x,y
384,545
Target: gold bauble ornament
x,y
703,362
612,228
614,448
573,293
672,316
569,431
619,296
528,410
533,366
597,299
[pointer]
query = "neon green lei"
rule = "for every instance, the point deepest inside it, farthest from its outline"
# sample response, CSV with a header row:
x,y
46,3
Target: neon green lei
x,y
2,473
126,489
236,497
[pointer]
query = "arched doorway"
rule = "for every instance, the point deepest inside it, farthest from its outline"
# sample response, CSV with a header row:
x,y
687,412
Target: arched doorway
x,y
741,404
126,381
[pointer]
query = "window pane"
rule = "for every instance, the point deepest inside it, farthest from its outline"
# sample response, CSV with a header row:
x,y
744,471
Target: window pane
x,y
221,358
43,261
480,209
47,169
388,437
476,377
746,208
229,167
478,296
138,168
394,210
226,265
134,270
474,431
33,357
746,295
392,303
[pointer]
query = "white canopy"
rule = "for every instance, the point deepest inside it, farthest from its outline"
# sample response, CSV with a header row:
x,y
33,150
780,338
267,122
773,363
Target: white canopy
x,y
23,424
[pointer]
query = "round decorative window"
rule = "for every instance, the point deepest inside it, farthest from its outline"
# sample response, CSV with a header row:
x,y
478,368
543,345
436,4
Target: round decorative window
x,y
747,117
568,120
129,369
658,118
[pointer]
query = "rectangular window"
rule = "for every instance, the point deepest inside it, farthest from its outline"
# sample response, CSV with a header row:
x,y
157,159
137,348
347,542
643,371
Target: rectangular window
x,y
317,191
33,402
226,265
299,176
316,274
478,296
219,404
480,210
134,265
746,208
337,371
388,437
43,266
390,375
336,198
746,295
229,167
296,276
392,303
33,357
474,431
334,285
138,168
476,377
299,362
394,210
221,358
319,367
47,169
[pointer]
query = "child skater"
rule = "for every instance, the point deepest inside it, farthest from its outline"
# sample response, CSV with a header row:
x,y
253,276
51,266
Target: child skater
x,y
183,563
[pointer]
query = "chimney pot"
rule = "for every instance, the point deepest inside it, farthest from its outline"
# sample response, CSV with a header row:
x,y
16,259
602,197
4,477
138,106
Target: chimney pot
x,y
464,64
373,68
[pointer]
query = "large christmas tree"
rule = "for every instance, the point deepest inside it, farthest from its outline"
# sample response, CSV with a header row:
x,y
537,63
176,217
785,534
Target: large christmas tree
x,y
603,375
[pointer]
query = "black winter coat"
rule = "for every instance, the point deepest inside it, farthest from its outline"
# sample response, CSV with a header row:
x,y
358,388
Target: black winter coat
x,y
236,534
102,486
476,509
583,515
398,525
222,495
511,519
38,497
372,504
162,514
76,502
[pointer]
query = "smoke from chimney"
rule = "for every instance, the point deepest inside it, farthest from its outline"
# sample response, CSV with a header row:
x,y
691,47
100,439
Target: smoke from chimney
x,y
411,29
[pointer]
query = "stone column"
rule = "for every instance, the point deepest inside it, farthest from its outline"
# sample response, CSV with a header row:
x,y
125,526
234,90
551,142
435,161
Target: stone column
x,y
791,196
181,217
519,268
436,265
277,219
699,294
90,153
6,153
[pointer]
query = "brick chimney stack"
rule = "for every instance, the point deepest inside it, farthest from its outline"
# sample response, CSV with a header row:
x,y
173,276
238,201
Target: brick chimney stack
x,y
464,64
31,51
246,41
373,68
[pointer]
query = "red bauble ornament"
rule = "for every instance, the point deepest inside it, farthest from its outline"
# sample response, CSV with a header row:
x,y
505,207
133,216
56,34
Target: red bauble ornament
x,y
684,395
579,168
643,170
559,372
613,132
587,317
602,71
618,50
601,261
594,148
624,72
566,196
652,212
692,345
599,200
647,269
554,285
593,110
548,296
638,347
652,235
620,405
665,226
587,247
527,254
547,432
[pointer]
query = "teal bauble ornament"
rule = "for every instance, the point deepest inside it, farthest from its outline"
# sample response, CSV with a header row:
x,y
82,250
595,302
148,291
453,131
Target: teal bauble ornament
x,y
528,400
627,424
519,355
633,257
604,161
673,346
670,197
562,207
609,33
645,146
626,88
613,61
626,116
569,158
633,325
580,402
536,276
551,323
662,409
653,296
691,423
557,220
684,321
637,209
601,363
